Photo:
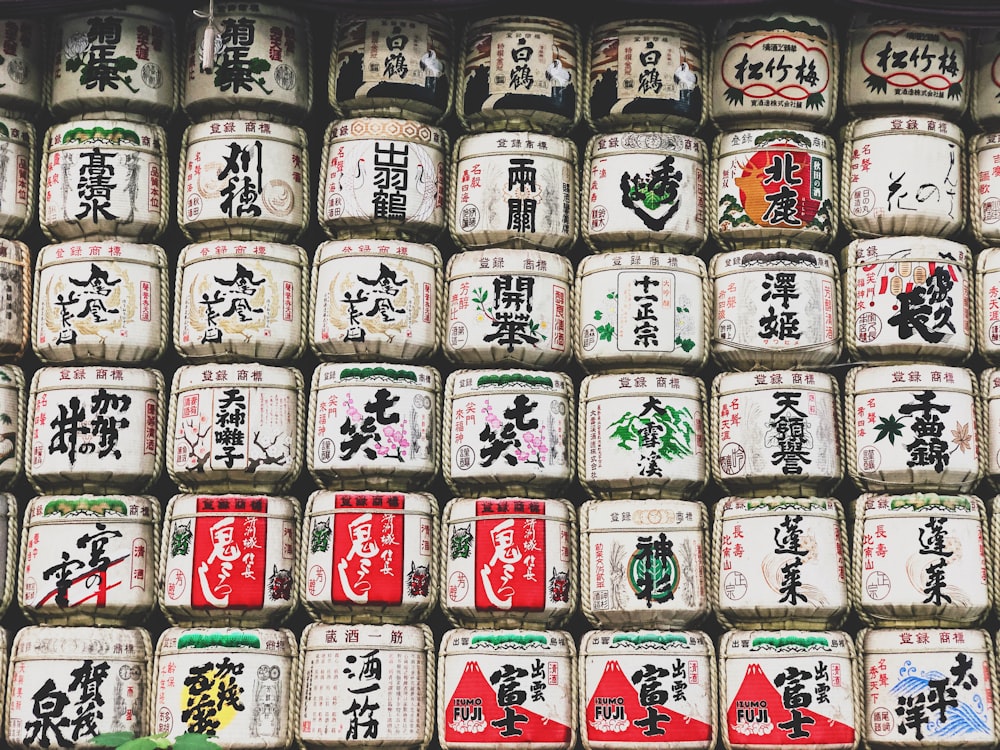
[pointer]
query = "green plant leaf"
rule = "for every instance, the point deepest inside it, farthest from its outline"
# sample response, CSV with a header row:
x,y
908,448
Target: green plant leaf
x,y
111,739
258,65
140,743
605,332
124,64
598,315
194,741
890,428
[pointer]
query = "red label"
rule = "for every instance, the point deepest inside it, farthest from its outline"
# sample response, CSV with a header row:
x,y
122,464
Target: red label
x,y
776,187
287,298
510,557
474,712
144,301
149,436
368,558
615,713
229,553
759,715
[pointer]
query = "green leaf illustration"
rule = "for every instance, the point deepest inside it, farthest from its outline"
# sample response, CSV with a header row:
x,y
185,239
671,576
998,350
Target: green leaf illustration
x,y
605,332
889,427
685,344
876,84
598,315
111,739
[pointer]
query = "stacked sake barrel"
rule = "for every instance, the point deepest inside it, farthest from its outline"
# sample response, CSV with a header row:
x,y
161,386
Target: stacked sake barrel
x,y
914,430
642,311
368,555
779,554
21,99
97,404
226,666
507,558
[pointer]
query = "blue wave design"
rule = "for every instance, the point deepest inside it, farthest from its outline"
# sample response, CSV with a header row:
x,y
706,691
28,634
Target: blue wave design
x,y
913,684
959,720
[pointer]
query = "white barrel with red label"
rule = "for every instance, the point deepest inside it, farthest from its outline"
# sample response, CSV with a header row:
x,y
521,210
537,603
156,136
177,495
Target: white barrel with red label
x,y
646,74
13,408
908,299
984,188
18,171
89,559
235,427
238,686
773,70
989,394
987,304
240,302
100,302
243,179
76,682
390,667
913,427
376,299
508,562
884,190
641,310
515,689
906,668
643,563
513,189
104,178
775,309
24,41
95,428
509,307
894,64
642,435
229,560
255,60
374,426
508,432
921,559
789,688
773,188
383,177
520,72
776,432
368,556
985,78
644,191
780,562
15,298
388,65
122,58
646,688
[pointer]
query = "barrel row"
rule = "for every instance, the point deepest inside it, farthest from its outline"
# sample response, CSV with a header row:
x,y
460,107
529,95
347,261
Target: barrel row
x,y
888,300
248,179
263,689
370,556
502,71
252,427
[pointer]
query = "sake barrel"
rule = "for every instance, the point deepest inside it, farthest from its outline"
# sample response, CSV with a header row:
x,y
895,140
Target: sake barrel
x,y
100,302
519,72
393,64
646,73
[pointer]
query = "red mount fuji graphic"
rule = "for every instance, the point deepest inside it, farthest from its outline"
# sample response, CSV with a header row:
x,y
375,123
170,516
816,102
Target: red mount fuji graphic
x,y
757,695
474,684
615,684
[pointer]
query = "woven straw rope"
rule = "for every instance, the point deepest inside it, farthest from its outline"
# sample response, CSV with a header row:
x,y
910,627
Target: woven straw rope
x,y
11,578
